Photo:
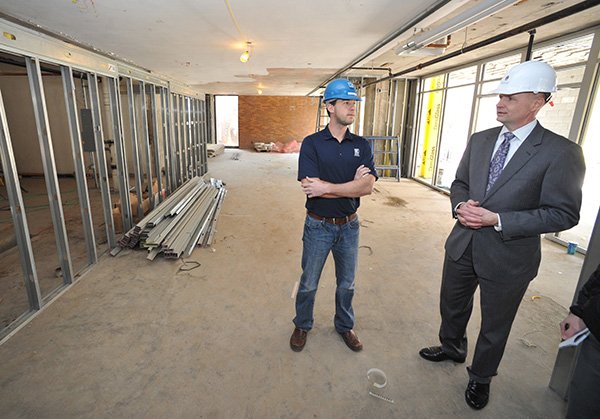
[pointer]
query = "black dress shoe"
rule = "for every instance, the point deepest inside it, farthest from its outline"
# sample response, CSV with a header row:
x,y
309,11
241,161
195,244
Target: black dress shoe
x,y
436,354
477,394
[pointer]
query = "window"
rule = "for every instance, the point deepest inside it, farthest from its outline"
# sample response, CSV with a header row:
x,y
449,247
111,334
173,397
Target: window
x,y
429,127
456,121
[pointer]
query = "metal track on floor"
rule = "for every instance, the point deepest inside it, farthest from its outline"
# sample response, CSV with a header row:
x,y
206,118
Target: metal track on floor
x,y
185,219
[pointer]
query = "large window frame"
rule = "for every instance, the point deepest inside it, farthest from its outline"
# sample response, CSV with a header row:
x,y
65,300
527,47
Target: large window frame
x,y
482,94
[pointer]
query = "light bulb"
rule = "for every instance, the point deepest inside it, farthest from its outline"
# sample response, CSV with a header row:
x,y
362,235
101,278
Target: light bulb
x,y
245,56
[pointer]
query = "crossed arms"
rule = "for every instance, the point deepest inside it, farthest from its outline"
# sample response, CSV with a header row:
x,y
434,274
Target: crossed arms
x,y
361,185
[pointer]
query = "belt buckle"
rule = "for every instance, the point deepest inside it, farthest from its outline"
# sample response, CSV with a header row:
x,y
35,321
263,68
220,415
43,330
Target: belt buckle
x,y
333,219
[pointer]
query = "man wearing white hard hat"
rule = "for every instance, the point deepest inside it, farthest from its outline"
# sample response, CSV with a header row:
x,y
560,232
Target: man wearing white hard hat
x,y
514,183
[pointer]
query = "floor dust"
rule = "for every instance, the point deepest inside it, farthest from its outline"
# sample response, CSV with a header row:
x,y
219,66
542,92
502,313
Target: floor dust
x,y
139,338
394,201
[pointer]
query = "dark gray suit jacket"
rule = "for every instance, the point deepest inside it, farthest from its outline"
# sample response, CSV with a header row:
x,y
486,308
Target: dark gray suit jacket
x,y
539,191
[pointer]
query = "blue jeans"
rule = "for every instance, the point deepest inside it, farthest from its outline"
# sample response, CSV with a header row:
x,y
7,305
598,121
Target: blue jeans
x,y
319,239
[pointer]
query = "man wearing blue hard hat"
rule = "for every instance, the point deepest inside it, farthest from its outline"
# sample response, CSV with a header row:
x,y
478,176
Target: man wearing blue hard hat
x,y
335,168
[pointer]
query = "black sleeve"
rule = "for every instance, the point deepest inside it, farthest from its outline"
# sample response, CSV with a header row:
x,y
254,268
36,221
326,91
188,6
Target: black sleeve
x,y
591,315
589,290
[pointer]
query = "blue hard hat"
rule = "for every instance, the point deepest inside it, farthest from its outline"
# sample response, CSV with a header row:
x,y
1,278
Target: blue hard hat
x,y
340,89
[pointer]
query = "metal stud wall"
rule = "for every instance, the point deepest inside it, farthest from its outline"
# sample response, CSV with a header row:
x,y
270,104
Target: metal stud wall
x,y
17,208
165,131
82,189
43,130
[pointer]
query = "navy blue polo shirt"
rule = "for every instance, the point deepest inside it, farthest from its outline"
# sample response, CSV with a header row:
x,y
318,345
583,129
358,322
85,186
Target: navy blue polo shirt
x,y
324,157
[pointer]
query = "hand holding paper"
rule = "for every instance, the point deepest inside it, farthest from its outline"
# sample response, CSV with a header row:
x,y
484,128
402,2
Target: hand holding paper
x,y
576,339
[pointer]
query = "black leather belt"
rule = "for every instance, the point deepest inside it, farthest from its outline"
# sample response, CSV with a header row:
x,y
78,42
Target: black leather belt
x,y
333,220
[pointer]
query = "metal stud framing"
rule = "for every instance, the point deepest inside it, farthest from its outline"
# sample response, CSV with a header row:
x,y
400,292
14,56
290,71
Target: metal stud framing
x,y
192,136
146,142
177,155
203,135
135,148
117,124
157,143
186,136
196,135
79,165
179,148
172,139
199,133
182,137
201,141
200,137
17,209
102,170
54,200
188,156
166,130
191,140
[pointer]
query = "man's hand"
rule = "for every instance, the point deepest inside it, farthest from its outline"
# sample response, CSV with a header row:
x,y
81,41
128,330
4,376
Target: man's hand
x,y
360,185
571,325
313,186
471,215
361,172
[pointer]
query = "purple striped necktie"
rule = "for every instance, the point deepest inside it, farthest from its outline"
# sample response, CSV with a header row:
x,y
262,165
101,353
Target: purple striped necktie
x,y
497,163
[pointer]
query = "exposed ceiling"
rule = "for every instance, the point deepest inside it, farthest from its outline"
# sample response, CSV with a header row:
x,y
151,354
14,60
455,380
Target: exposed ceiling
x,y
296,45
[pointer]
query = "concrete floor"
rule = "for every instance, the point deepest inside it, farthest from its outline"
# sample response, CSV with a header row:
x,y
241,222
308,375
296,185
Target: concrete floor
x,y
134,338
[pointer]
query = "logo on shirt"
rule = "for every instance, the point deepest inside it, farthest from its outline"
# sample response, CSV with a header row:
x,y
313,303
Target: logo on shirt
x,y
356,152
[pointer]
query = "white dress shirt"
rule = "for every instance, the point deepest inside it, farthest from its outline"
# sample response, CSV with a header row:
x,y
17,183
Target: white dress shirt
x,y
521,135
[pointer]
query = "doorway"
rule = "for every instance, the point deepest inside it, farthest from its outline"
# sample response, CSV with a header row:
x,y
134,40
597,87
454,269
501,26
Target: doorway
x,y
226,112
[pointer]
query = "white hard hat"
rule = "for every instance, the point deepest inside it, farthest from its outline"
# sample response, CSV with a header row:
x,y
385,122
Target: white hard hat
x,y
530,76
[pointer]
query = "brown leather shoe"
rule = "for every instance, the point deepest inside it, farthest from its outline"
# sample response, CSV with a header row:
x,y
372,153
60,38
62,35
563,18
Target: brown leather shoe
x,y
298,340
351,340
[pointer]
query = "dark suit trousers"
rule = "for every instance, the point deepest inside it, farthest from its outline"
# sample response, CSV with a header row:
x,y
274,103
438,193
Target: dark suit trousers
x,y
584,402
500,300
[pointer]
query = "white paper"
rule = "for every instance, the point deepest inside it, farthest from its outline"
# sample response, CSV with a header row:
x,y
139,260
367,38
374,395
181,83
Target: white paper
x,y
576,339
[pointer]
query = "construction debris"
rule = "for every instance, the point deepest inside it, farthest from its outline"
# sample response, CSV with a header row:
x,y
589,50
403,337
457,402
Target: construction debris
x,y
289,147
262,147
185,219
213,150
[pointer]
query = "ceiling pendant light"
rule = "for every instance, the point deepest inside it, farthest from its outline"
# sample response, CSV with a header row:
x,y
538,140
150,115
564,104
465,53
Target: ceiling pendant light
x,y
246,54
